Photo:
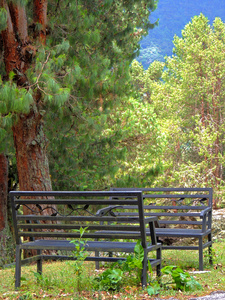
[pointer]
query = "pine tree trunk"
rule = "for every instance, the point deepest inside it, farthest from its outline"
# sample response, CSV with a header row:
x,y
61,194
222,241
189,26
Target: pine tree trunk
x,y
31,153
32,161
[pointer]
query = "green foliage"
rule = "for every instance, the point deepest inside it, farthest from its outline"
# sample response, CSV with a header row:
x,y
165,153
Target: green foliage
x,y
144,81
99,35
188,102
83,67
182,280
133,263
110,279
80,255
153,288
120,147
113,278
3,19
13,101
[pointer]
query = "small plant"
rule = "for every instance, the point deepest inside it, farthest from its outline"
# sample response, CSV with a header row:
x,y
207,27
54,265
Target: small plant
x,y
154,288
133,263
110,279
180,281
183,280
80,255
119,272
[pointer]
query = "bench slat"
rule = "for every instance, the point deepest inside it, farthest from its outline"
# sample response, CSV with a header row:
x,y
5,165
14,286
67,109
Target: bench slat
x,y
77,218
174,207
77,226
62,235
162,214
75,201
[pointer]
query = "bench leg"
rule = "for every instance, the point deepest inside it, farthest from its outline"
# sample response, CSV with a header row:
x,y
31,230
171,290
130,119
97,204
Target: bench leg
x,y
144,269
18,267
200,249
158,267
39,263
97,262
210,249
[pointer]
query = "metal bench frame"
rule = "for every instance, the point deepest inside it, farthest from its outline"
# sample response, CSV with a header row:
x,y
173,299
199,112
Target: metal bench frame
x,y
203,212
36,226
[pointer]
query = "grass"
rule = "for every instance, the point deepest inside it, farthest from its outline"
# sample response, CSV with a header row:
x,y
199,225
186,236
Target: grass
x,y
59,279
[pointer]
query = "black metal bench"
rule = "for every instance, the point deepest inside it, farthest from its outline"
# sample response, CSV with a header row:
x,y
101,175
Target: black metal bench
x,y
182,213
36,230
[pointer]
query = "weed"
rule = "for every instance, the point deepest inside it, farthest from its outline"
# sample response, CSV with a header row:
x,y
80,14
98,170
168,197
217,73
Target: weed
x,y
110,279
80,255
181,280
122,271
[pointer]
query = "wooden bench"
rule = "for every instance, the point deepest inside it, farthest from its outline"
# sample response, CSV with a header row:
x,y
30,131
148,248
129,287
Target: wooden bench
x,y
36,230
182,213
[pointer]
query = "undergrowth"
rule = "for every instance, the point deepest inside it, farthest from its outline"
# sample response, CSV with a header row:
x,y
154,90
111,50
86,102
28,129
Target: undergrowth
x,y
60,279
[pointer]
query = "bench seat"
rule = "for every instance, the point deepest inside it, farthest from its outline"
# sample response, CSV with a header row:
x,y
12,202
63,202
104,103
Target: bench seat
x,y
177,232
103,246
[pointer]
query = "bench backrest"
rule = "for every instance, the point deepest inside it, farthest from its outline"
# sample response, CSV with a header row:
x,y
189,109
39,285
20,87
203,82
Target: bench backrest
x,y
60,215
179,207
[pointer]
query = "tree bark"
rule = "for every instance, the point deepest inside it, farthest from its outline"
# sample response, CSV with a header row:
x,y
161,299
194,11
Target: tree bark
x,y
32,160
10,43
40,17
31,154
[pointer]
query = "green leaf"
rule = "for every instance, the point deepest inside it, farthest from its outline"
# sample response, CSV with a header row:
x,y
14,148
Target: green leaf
x,y
139,251
3,19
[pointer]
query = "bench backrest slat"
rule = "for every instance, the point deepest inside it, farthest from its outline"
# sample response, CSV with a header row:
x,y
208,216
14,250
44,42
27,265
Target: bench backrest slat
x,y
74,218
179,193
162,214
165,207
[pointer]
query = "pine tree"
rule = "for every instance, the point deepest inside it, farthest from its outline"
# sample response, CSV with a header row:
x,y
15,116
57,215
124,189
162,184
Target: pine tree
x,y
64,57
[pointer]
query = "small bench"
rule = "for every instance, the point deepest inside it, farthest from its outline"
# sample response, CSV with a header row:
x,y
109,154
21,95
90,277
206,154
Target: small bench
x,y
182,213
47,221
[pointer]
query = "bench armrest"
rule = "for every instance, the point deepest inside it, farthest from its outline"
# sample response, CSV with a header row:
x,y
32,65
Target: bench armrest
x,y
205,211
203,215
104,211
109,210
152,221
